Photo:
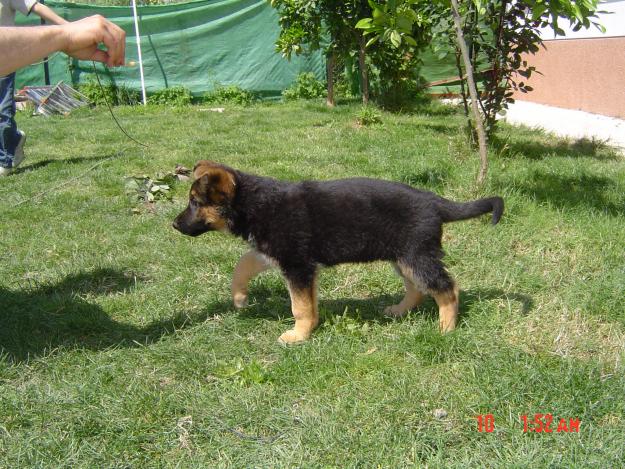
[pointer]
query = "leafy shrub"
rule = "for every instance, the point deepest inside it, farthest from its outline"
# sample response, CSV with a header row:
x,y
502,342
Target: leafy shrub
x,y
306,86
231,94
115,95
343,88
368,116
174,96
395,79
399,95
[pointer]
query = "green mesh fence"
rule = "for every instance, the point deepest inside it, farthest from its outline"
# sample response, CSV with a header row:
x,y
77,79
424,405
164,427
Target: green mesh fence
x,y
197,45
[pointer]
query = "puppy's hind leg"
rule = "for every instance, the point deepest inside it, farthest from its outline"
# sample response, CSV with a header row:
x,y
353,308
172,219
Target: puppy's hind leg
x,y
431,273
304,308
447,302
249,266
412,298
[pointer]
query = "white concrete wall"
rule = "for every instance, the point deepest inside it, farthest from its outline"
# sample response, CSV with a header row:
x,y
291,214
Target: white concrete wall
x,y
614,22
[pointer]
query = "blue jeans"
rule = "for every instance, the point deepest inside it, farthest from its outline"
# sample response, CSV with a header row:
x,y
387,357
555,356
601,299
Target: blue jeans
x,y
9,138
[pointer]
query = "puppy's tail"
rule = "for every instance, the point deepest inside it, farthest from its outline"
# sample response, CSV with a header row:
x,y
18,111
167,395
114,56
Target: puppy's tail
x,y
454,211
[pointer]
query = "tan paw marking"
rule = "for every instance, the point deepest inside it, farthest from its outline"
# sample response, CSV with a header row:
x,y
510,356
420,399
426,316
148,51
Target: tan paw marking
x,y
447,325
240,300
395,311
292,337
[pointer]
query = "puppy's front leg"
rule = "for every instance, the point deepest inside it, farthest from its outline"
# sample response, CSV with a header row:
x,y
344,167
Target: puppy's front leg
x,y
249,266
304,308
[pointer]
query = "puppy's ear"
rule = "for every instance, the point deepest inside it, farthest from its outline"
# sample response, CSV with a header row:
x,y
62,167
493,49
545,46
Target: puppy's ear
x,y
202,184
201,167
217,185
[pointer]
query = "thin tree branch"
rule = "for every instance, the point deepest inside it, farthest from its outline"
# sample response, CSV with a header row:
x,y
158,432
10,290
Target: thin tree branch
x,y
481,135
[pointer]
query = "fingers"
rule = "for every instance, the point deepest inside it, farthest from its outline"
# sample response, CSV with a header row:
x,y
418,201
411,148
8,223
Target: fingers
x,y
84,37
101,56
114,38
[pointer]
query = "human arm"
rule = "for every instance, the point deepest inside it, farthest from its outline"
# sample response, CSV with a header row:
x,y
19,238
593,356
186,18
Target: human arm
x,y
47,14
22,46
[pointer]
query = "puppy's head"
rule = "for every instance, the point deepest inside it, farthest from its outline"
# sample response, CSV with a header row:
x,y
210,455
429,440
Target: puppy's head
x,y
210,198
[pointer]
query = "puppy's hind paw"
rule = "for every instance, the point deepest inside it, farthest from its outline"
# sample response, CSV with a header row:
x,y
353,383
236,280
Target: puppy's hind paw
x,y
395,311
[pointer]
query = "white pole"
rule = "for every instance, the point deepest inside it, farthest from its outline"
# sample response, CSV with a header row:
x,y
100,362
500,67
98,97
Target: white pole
x,y
134,12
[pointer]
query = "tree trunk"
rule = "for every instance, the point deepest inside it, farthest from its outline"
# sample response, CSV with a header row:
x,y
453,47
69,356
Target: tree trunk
x,y
481,136
463,92
362,64
330,61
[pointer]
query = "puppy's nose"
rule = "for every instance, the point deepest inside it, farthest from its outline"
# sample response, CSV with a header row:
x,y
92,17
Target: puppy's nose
x,y
175,225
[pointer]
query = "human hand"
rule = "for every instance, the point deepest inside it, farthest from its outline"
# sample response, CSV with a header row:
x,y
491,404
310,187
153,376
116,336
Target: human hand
x,y
82,38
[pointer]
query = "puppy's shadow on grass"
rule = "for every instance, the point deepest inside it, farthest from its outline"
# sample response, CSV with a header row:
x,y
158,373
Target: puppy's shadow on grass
x,y
540,150
43,163
269,303
571,191
37,319
470,298
371,309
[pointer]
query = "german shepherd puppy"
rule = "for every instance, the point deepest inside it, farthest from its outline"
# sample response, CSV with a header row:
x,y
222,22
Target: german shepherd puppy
x,y
301,226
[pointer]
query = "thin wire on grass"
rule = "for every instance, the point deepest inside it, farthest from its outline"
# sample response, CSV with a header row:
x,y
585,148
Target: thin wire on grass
x,y
243,436
70,180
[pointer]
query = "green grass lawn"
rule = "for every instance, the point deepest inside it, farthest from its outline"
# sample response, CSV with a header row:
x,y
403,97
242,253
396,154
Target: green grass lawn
x,y
121,347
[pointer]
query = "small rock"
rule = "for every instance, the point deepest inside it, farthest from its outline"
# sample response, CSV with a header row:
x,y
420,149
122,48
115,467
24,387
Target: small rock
x,y
440,413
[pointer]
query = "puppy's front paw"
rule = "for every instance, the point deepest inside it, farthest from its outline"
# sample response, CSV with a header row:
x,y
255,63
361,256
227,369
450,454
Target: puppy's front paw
x,y
292,337
395,311
240,300
447,325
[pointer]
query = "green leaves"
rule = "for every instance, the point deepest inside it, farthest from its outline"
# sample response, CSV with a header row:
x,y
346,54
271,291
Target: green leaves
x,y
306,86
148,189
404,23
178,96
230,94
392,22
372,41
145,189
379,16
365,23
114,94
244,374
375,6
410,41
480,6
368,116
538,10
578,13
395,38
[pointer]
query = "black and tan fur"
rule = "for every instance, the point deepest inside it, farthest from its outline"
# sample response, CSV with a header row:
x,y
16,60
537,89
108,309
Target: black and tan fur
x,y
301,226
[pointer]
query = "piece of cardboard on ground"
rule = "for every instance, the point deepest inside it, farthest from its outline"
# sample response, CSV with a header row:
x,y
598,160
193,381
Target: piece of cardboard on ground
x,y
52,99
